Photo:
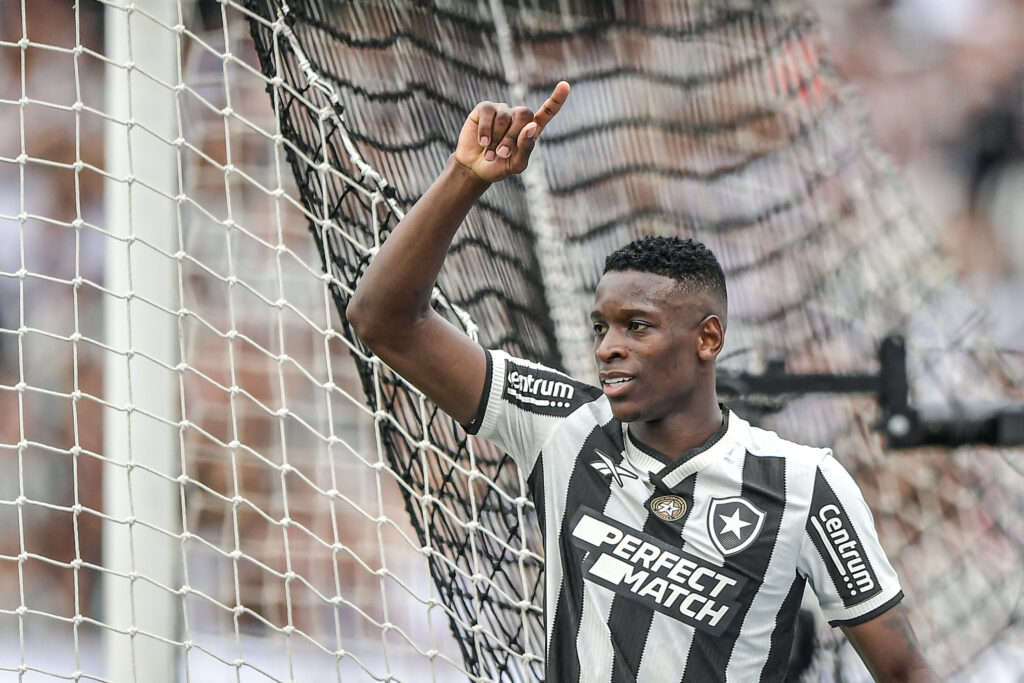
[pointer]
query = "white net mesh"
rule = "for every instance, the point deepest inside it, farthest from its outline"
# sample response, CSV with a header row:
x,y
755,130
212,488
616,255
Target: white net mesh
x,y
196,488
284,549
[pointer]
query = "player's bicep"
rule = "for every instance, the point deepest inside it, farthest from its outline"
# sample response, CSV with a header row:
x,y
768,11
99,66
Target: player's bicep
x,y
441,361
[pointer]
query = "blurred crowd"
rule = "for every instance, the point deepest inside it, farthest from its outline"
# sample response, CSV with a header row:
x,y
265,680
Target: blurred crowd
x,y
943,86
40,204
53,229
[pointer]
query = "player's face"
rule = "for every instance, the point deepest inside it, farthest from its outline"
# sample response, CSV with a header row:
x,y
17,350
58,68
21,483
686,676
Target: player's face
x,y
651,346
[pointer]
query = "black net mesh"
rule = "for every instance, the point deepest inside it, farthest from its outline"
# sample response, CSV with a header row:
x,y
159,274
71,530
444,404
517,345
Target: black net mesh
x,y
723,121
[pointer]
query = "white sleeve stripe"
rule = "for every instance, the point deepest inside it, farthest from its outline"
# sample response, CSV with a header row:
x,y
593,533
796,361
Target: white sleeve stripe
x,y
853,614
490,414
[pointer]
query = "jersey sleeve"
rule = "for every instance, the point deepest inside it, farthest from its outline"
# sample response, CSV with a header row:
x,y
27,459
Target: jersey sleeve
x,y
842,556
523,403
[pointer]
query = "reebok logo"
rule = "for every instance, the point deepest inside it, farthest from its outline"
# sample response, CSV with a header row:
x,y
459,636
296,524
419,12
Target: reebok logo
x,y
606,466
539,391
843,550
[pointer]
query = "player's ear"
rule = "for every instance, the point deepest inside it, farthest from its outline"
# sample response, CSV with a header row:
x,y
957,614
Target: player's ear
x,y
710,338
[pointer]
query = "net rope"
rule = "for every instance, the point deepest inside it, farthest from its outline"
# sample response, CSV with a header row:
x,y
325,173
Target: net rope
x,y
489,581
724,121
330,523
279,468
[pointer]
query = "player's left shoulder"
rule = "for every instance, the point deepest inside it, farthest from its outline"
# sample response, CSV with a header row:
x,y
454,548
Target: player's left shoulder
x,y
766,443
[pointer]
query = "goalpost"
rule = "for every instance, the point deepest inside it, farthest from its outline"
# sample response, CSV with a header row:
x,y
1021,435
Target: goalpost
x,y
141,432
207,477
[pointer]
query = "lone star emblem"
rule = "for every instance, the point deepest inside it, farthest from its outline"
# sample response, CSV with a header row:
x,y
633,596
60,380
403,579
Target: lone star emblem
x,y
733,524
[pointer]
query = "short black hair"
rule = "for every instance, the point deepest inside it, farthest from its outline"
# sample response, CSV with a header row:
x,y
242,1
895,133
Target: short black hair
x,y
688,262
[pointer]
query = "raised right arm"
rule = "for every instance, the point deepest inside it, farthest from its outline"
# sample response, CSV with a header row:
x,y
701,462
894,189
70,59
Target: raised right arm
x,y
390,310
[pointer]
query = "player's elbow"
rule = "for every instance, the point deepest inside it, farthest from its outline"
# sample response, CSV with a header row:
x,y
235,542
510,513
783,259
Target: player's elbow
x,y
913,669
364,318
901,665
373,322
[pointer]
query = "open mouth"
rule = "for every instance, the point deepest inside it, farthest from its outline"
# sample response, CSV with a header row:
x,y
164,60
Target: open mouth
x,y
615,385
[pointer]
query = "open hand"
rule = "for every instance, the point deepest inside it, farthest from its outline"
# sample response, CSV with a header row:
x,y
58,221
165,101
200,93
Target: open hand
x,y
496,140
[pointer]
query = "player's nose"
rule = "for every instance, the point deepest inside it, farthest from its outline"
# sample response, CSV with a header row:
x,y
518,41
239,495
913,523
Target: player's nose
x,y
610,346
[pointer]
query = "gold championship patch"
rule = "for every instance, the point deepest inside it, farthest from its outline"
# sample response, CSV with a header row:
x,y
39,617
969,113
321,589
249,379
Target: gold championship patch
x,y
668,508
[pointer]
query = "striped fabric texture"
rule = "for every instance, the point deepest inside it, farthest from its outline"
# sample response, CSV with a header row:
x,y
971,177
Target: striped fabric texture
x,y
690,569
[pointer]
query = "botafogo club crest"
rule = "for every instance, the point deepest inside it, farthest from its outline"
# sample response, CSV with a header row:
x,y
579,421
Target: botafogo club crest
x,y
733,524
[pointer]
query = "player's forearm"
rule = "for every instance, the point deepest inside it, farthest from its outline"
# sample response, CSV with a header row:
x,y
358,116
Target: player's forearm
x,y
904,666
922,672
392,302
394,292
890,650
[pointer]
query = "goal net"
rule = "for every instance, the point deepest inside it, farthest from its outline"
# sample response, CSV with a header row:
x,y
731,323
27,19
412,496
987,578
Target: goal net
x,y
208,477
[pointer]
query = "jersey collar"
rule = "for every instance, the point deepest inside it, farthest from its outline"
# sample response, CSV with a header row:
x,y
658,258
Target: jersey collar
x,y
670,473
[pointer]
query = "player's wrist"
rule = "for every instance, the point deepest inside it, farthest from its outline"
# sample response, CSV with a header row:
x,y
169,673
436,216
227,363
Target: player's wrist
x,y
465,176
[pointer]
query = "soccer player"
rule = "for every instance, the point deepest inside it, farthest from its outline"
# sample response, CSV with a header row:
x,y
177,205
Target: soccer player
x,y
678,538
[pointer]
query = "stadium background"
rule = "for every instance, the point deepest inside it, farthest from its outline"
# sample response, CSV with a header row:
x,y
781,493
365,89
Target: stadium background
x,y
942,87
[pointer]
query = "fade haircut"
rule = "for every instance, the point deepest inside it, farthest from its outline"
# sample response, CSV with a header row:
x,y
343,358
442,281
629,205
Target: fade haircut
x,y
686,261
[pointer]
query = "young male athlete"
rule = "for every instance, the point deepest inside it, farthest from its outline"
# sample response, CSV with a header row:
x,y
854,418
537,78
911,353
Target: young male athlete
x,y
678,538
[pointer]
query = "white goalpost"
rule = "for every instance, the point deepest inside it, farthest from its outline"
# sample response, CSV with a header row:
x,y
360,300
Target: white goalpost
x,y
142,428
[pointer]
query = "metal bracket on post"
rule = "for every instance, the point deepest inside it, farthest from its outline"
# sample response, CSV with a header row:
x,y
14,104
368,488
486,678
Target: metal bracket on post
x,y
900,422
904,425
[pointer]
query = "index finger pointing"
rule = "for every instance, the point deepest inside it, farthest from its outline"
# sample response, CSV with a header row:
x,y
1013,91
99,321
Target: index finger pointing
x,y
552,105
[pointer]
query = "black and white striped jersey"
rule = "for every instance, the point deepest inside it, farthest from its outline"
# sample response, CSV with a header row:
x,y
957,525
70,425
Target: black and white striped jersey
x,y
685,570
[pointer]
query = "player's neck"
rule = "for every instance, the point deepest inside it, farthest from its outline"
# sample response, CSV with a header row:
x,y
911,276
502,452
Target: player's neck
x,y
680,433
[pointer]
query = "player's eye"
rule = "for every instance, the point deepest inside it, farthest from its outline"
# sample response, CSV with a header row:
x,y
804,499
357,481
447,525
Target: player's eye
x,y
637,325
599,329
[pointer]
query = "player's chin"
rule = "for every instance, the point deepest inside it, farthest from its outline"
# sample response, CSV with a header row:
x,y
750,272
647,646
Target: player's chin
x,y
625,410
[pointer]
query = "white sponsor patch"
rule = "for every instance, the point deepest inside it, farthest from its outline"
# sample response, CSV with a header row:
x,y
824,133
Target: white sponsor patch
x,y
656,574
843,550
538,390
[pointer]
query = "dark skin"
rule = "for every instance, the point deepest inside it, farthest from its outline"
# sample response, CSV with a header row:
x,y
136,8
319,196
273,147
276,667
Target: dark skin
x,y
641,322
888,647
655,343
